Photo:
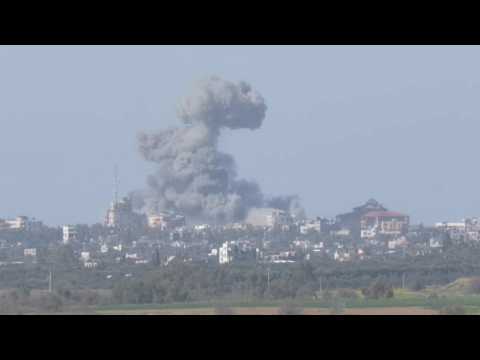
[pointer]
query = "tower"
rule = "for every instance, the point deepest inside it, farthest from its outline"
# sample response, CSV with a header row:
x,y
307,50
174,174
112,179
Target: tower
x,y
111,219
115,189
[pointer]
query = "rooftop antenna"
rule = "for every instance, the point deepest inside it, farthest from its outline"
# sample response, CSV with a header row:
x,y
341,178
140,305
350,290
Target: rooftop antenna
x,y
268,278
50,280
115,196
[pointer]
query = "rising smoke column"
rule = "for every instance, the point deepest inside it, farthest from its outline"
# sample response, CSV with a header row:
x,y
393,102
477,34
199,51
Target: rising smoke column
x,y
193,176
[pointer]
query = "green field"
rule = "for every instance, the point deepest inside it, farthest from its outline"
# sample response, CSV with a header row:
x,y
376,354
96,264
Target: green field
x,y
430,300
454,298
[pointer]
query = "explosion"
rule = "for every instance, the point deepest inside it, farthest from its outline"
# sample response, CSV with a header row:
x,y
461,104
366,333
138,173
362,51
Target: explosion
x,y
193,177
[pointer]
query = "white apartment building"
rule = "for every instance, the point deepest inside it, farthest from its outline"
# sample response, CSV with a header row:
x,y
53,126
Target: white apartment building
x,y
165,221
90,264
449,226
69,233
20,223
313,225
268,217
225,253
30,252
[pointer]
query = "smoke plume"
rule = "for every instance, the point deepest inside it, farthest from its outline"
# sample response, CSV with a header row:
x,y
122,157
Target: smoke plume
x,y
193,177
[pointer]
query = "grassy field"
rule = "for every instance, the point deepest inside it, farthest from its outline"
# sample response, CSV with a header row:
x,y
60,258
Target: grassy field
x,y
429,301
405,302
273,311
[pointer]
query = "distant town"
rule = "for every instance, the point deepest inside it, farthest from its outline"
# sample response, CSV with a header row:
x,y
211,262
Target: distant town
x,y
267,235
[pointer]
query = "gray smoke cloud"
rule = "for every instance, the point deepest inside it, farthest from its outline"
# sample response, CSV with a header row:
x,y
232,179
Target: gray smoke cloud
x,y
290,203
193,177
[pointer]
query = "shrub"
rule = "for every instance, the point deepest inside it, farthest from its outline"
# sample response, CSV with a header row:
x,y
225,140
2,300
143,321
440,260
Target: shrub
x,y
49,302
347,294
223,310
305,292
8,304
337,307
378,289
435,301
24,292
89,297
418,285
290,309
454,309
64,292
475,285
326,295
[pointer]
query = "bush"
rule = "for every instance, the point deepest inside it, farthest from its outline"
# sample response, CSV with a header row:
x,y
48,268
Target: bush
x,y
223,310
347,294
418,285
305,292
24,293
64,292
326,295
378,289
435,301
454,309
9,304
337,307
475,285
49,302
89,297
290,309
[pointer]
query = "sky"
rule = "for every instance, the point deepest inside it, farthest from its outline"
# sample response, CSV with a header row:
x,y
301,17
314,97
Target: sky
x,y
344,124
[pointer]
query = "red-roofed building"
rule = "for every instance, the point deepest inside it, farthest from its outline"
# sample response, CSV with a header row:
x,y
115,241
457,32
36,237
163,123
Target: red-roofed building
x,y
351,221
383,222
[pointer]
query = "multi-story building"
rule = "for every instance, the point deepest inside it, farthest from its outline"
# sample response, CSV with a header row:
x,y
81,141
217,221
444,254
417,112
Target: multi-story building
x,y
20,223
352,221
120,215
318,225
383,222
69,233
472,224
467,229
165,220
225,255
459,226
456,230
268,217
30,252
90,264
472,229
85,256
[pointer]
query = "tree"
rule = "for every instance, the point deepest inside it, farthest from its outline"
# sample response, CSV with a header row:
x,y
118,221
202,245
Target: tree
x,y
347,294
65,258
418,285
51,303
156,258
9,303
378,289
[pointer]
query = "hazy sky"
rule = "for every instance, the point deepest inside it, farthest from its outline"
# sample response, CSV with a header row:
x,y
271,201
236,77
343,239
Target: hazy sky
x,y
344,124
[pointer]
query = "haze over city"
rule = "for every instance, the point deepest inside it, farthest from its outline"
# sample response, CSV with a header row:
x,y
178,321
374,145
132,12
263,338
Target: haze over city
x,y
343,124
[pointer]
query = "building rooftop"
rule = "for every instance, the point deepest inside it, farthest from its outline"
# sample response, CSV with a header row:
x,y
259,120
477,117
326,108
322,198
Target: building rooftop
x,y
384,214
